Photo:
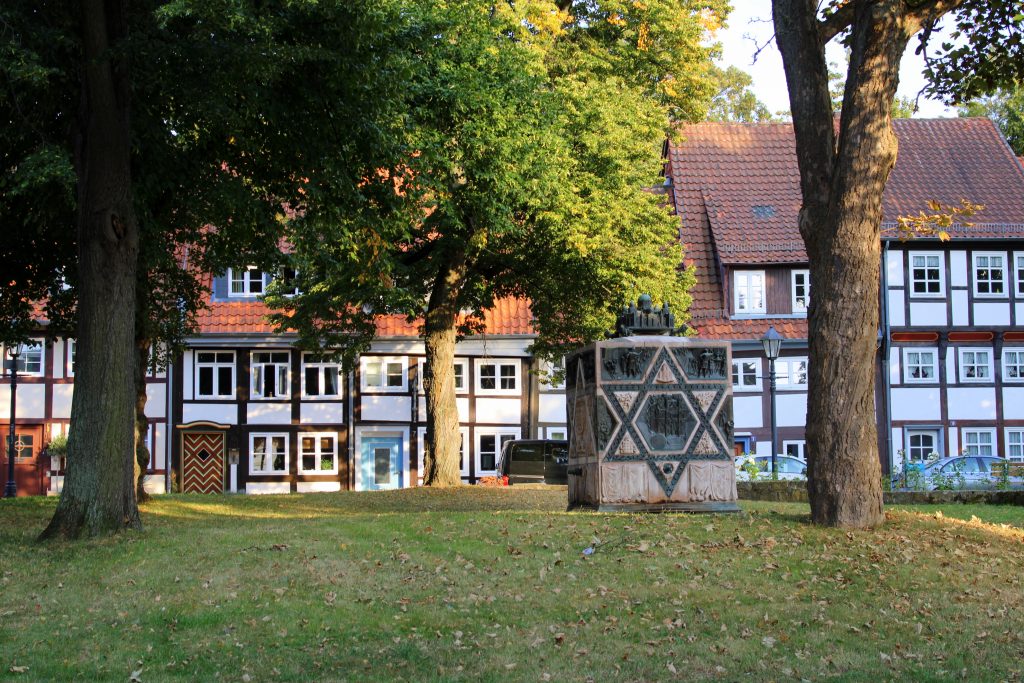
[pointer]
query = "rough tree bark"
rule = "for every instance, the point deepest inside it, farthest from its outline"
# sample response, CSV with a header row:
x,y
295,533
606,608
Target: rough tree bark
x,y
842,180
142,455
99,490
441,456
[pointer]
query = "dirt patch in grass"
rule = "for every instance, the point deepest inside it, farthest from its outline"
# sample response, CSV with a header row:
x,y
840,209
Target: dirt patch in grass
x,y
499,585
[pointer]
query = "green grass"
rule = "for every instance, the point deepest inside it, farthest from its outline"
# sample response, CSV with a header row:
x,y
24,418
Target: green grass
x,y
484,584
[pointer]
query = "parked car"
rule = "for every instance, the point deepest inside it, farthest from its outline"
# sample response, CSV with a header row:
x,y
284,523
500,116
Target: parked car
x,y
964,472
787,466
534,461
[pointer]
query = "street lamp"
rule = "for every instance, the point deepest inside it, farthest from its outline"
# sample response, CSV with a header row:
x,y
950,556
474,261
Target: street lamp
x,y
13,352
772,344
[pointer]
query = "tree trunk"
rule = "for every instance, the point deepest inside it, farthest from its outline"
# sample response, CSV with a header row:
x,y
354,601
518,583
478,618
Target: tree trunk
x,y
99,489
842,187
141,421
441,455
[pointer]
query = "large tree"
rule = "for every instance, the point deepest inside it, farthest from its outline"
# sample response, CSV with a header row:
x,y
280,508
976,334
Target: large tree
x,y
843,171
532,131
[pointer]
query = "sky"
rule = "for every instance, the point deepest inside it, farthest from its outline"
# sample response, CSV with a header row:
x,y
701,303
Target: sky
x,y
750,21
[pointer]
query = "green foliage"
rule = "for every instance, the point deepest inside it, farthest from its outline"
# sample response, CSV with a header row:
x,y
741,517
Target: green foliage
x,y
953,480
735,101
1005,107
58,445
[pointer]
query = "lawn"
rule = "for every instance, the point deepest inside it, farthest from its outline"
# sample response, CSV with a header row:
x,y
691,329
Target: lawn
x,y
494,585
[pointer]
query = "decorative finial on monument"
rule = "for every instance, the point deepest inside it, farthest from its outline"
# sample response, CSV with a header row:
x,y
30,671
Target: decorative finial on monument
x,y
644,318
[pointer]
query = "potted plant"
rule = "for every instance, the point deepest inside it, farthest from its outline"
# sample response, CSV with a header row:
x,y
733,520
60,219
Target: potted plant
x,y
57,450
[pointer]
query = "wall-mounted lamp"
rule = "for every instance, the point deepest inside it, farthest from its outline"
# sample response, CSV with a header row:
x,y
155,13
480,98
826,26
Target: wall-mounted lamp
x,y
233,455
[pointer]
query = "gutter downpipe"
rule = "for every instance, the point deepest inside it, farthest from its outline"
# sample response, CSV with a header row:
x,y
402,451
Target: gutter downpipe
x,y
885,353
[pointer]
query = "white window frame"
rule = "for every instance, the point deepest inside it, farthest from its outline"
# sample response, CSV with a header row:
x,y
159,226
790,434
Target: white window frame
x,y
799,307
962,366
318,452
908,378
216,381
497,433
281,273
72,347
269,436
746,276
321,366
933,432
556,433
756,386
247,280
782,378
1015,444
1003,279
991,433
547,370
463,363
478,365
384,361
910,274
421,447
801,445
1018,351
23,359
283,386
1018,274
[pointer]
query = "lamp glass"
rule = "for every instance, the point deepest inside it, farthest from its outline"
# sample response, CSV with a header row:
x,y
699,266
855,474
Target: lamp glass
x,y
771,342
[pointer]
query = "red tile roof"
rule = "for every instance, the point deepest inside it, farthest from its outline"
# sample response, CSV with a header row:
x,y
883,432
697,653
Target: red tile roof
x,y
736,189
507,317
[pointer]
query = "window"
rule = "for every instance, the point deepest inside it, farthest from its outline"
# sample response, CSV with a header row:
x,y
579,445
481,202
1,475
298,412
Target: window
x,y
921,444
795,449
72,349
318,453
216,374
1013,365
746,374
489,444
791,372
920,365
1015,444
384,374
289,279
246,282
1018,270
421,442
557,433
320,378
749,296
975,365
801,290
979,442
30,362
989,275
461,373
548,371
269,375
497,377
268,453
927,275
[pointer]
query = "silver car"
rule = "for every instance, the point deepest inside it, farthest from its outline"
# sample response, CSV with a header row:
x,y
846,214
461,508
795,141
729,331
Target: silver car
x,y
971,472
787,466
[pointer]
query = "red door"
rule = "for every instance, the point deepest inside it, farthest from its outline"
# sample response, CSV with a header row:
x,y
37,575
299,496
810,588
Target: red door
x,y
202,463
29,468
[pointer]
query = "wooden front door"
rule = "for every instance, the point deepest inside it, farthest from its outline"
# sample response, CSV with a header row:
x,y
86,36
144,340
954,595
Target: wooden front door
x,y
202,463
29,468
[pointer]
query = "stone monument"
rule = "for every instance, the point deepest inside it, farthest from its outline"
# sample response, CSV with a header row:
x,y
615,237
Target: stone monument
x,y
650,419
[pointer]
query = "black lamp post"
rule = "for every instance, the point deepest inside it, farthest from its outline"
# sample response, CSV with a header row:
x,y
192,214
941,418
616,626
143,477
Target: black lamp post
x,y
13,352
772,344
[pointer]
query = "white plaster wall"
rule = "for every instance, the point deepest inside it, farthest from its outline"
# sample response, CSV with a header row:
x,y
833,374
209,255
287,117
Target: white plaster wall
x,y
1019,313
791,409
156,400
894,265
386,408
317,486
1013,403
894,365
57,353
461,405
992,313
154,484
260,487
928,313
916,403
160,448
763,448
31,401
322,413
961,309
897,441
188,376
552,408
972,403
950,365
62,395
897,317
499,411
747,412
953,441
268,413
958,268
224,413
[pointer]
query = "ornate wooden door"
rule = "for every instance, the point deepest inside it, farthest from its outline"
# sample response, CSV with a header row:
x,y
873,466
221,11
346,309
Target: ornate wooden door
x,y
202,463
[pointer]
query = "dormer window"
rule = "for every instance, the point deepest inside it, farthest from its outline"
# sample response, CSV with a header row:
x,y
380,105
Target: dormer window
x,y
801,290
246,282
749,291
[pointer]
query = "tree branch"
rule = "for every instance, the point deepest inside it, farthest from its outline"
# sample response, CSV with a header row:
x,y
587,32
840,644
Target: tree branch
x,y
836,23
930,10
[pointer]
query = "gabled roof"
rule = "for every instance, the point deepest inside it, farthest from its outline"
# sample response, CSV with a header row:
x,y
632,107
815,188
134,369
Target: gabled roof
x,y
736,189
